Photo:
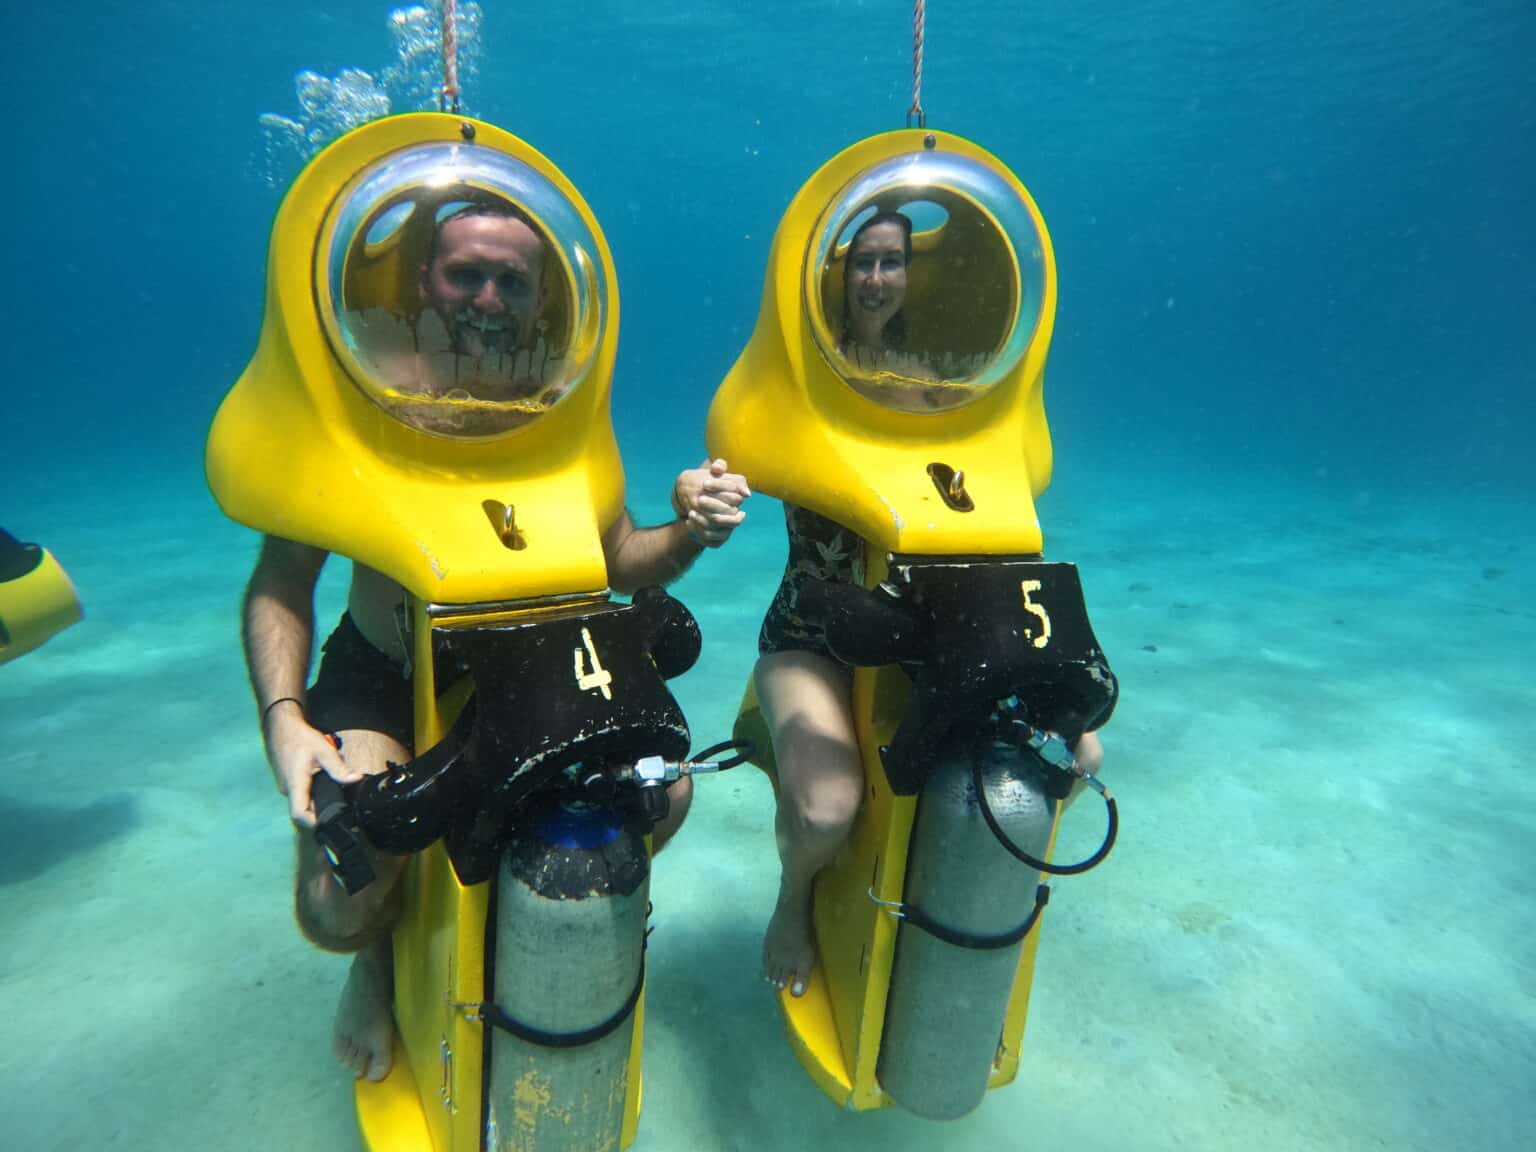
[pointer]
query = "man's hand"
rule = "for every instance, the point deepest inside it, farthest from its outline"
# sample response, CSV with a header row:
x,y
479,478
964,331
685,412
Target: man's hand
x,y
296,752
708,499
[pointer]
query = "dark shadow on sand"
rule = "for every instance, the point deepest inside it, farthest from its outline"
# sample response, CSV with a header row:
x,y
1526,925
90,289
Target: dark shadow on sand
x,y
37,837
708,989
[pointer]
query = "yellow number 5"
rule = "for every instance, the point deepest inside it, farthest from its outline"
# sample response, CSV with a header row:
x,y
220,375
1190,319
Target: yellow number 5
x,y
1037,610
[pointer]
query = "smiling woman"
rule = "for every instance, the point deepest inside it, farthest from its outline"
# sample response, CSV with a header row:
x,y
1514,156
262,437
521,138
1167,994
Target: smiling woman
x,y
926,282
875,288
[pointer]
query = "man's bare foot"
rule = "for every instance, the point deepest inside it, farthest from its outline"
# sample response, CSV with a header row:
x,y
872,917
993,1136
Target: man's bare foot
x,y
365,1021
789,945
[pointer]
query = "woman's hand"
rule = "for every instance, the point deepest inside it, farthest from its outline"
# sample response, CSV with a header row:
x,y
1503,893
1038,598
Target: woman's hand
x,y
708,499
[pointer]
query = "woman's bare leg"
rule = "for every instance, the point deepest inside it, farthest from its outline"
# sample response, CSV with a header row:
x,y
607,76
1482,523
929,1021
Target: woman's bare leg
x,y
807,701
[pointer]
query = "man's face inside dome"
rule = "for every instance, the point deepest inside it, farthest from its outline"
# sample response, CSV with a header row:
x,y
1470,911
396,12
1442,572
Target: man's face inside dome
x,y
483,279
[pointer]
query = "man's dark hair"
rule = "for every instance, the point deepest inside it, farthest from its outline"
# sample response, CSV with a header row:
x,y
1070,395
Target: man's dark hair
x,y
496,209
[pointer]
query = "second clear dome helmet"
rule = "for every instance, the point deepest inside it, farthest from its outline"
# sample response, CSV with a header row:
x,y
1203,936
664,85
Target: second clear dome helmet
x,y
924,282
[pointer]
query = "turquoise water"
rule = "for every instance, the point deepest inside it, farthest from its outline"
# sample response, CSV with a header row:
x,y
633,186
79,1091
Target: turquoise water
x,y
1290,392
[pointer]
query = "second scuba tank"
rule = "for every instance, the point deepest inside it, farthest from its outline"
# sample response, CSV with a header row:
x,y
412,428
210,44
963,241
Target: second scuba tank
x,y
567,971
948,997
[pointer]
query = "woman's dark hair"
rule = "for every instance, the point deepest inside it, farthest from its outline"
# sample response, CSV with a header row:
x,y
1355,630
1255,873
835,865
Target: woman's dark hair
x,y
895,331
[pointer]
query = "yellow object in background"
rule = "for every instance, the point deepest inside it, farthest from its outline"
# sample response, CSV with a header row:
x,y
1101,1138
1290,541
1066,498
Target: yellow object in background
x,y
37,599
937,447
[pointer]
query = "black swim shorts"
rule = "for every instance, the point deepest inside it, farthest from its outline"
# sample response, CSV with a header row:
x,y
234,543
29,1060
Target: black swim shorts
x,y
360,687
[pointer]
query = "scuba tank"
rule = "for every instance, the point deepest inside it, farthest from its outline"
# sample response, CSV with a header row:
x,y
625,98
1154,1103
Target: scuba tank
x,y
949,993
567,952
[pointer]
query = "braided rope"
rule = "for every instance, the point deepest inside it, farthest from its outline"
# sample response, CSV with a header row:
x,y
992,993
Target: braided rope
x,y
449,101
919,19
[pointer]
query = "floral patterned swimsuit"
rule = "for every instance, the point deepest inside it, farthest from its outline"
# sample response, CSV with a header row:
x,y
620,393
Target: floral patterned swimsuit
x,y
819,549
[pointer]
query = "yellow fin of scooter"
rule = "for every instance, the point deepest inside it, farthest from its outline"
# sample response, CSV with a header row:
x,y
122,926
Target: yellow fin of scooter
x,y
752,727
36,603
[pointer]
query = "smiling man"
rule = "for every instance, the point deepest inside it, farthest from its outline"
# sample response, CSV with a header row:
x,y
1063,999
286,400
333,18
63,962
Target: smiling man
x,y
482,291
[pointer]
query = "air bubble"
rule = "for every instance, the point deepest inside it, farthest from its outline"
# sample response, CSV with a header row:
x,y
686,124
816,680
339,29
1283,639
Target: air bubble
x,y
330,107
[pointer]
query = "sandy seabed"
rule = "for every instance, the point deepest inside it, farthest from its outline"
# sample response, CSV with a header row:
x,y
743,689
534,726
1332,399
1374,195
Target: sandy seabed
x,y
1316,931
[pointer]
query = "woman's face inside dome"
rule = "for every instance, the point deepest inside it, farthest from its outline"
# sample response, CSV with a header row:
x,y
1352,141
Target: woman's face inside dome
x,y
876,277
925,280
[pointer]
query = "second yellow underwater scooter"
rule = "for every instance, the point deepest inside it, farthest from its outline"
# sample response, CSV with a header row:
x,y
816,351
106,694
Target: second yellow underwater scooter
x,y
976,669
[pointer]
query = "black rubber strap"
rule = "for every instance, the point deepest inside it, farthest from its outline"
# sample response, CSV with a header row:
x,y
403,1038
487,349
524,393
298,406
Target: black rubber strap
x,y
916,917
497,1018
1024,857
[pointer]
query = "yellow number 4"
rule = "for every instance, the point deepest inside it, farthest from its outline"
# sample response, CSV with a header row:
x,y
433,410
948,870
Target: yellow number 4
x,y
598,677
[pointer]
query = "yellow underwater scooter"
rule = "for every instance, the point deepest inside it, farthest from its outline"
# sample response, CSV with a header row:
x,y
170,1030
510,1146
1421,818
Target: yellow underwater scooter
x,y
37,599
519,957
976,667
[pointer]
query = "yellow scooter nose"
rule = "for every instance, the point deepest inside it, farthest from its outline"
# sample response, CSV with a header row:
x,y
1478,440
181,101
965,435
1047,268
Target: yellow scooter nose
x,y
37,599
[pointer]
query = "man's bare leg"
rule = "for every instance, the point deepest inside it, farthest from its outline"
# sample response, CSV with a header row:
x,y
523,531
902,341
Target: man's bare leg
x,y
363,1038
364,1034
807,700
679,800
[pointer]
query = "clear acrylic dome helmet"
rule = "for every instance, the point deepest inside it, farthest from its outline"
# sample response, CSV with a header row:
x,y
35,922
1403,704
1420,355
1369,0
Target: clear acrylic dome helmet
x,y
967,302
391,248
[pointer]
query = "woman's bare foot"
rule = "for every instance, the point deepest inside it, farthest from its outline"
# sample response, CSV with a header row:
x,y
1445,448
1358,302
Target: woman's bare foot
x,y
365,1021
789,945
806,699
